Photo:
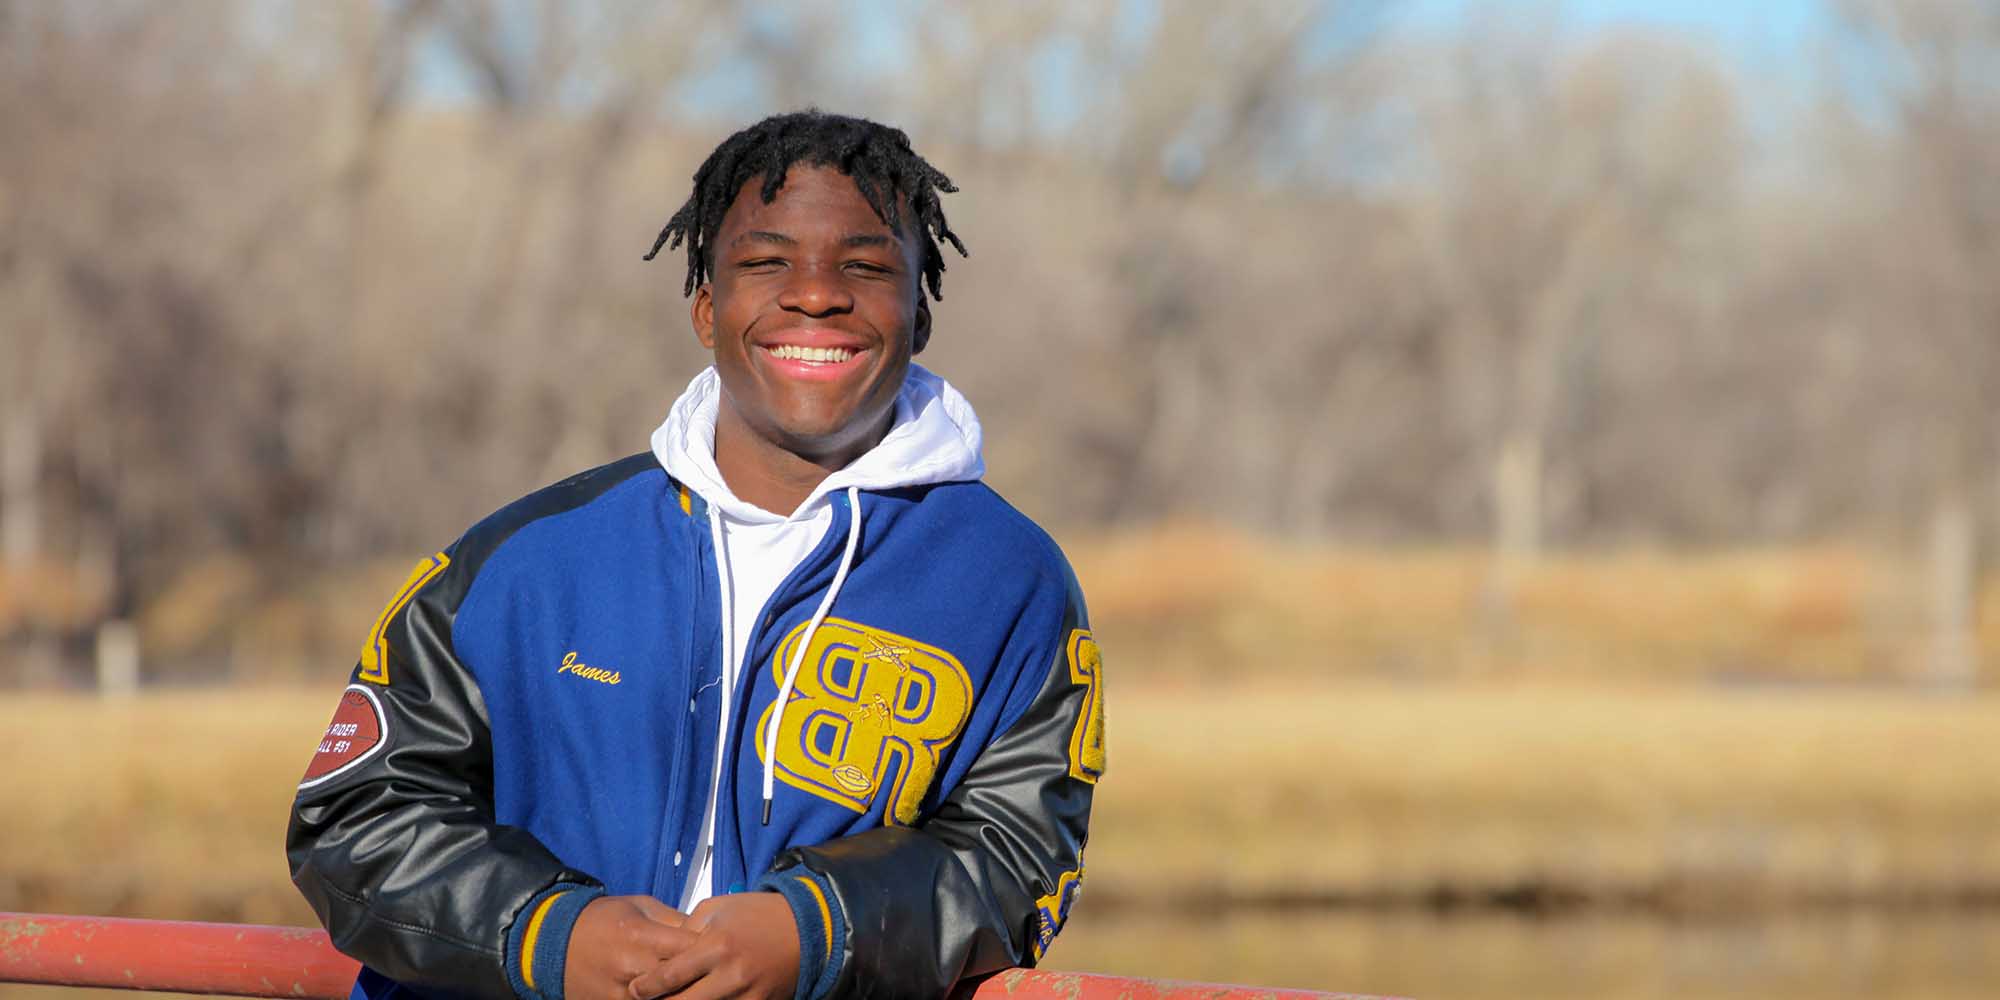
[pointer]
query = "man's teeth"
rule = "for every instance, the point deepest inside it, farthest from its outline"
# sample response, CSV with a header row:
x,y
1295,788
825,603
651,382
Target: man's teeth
x,y
823,355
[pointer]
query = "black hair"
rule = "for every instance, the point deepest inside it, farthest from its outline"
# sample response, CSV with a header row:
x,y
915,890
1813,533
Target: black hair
x,y
878,157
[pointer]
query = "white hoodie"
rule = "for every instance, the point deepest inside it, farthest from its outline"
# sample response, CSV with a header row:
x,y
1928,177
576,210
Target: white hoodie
x,y
935,438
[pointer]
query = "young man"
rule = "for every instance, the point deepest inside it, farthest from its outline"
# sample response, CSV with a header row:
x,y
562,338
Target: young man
x,y
791,706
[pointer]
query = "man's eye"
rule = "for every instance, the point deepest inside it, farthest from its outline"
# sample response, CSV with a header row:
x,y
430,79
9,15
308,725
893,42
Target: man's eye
x,y
760,263
866,267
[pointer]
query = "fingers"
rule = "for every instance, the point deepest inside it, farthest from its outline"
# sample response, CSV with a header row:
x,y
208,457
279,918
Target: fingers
x,y
653,909
748,949
630,935
675,974
717,985
704,913
661,941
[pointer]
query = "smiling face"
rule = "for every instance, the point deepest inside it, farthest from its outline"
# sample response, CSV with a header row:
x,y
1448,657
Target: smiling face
x,y
813,310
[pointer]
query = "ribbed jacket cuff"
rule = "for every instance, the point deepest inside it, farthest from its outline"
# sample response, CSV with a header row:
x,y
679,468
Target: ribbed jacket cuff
x,y
822,928
538,943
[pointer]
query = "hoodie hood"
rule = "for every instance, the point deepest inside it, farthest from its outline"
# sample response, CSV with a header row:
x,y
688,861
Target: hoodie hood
x,y
935,439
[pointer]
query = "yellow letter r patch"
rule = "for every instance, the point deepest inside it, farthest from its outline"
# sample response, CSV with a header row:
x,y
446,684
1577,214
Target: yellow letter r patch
x,y
865,699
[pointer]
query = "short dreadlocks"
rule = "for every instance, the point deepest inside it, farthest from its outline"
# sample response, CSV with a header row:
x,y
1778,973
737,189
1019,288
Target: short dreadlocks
x,y
878,158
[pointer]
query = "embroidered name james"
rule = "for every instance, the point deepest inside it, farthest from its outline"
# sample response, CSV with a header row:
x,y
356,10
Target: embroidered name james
x,y
598,674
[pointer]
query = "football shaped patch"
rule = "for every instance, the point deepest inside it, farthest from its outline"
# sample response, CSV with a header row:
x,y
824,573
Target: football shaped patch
x,y
358,730
852,778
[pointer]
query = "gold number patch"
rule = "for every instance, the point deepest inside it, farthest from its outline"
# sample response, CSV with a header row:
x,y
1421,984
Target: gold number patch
x,y
866,698
1086,742
375,655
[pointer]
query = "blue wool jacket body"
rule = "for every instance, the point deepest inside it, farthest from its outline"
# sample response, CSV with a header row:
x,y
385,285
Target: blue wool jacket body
x,y
548,695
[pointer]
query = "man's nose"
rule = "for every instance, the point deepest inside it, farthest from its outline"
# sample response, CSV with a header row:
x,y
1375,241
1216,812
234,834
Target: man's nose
x,y
816,292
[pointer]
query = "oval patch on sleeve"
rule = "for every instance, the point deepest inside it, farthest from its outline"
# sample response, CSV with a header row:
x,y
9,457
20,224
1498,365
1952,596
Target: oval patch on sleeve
x,y
358,730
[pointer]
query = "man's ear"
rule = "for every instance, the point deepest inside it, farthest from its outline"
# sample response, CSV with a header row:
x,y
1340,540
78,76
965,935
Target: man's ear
x,y
920,329
701,312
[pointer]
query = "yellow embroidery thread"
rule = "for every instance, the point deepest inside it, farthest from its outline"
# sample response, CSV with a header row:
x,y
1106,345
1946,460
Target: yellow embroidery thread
x,y
865,700
375,655
1051,910
1086,741
584,670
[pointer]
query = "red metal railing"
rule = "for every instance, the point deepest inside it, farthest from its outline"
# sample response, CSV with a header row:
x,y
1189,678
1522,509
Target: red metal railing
x,y
300,964
180,957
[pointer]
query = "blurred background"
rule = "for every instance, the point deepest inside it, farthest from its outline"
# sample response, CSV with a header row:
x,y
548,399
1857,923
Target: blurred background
x,y
1535,467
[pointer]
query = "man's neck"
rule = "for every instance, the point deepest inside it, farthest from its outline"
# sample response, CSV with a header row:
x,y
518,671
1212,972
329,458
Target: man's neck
x,y
766,475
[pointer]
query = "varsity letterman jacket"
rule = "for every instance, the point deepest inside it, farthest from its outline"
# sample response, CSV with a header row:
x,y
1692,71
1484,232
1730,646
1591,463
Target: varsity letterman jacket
x,y
536,717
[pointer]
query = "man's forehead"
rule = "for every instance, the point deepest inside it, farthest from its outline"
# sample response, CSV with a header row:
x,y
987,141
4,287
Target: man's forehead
x,y
880,237
824,192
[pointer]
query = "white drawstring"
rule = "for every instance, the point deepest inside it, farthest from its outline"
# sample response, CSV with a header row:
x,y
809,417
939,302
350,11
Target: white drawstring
x,y
722,573
805,641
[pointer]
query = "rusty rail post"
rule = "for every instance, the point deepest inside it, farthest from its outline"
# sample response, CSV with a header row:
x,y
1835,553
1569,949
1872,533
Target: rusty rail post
x,y
301,964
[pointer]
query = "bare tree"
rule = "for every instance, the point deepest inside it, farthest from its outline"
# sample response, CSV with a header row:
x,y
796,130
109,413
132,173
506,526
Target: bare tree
x,y
1925,70
1560,184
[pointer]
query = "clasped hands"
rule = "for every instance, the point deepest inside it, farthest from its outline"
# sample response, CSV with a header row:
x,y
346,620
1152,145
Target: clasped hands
x,y
743,945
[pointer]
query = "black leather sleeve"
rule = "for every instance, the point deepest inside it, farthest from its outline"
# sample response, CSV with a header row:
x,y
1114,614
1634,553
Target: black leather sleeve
x,y
984,883
398,852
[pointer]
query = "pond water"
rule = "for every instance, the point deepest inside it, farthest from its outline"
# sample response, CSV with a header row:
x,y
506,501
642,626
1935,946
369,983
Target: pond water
x,y
1876,953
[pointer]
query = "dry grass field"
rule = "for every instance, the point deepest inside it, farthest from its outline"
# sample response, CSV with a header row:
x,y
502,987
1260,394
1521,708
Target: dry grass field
x,y
1204,604
1210,604
172,804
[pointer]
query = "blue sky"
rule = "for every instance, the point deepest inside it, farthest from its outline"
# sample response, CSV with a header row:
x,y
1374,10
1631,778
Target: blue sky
x,y
1767,41
1753,33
